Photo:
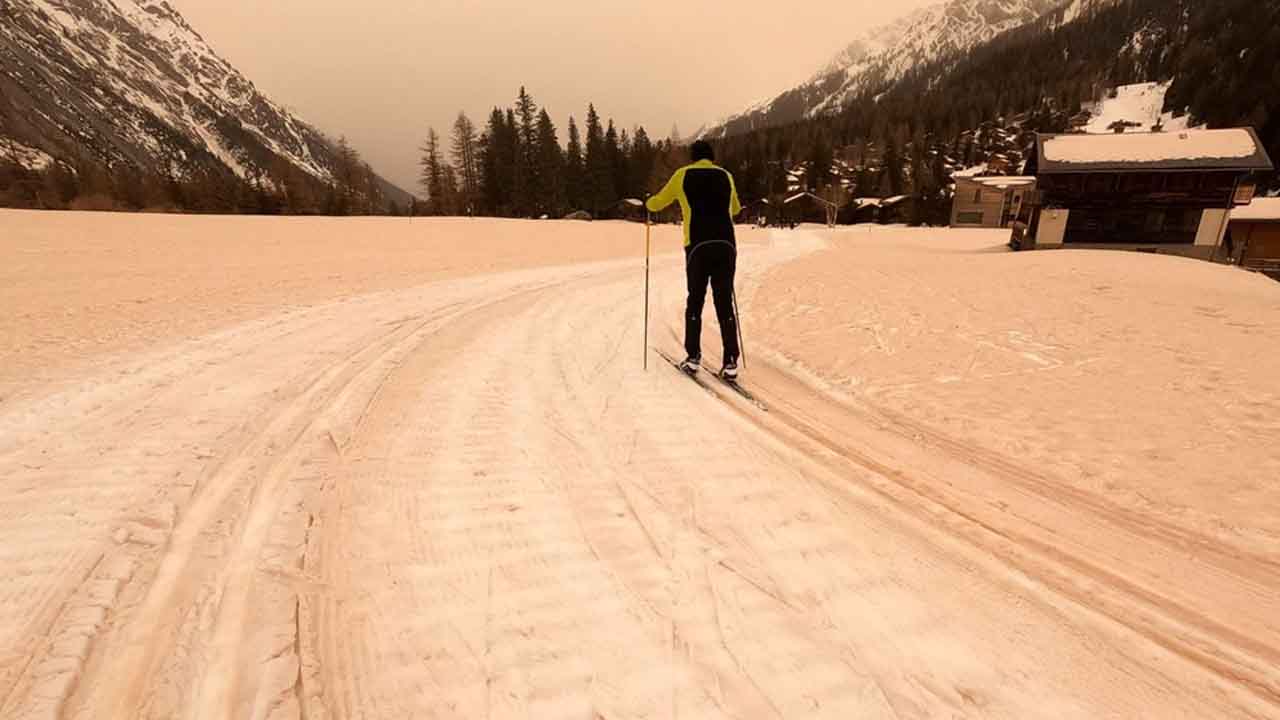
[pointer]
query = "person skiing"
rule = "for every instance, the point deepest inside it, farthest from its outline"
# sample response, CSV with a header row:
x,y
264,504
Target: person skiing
x,y
709,202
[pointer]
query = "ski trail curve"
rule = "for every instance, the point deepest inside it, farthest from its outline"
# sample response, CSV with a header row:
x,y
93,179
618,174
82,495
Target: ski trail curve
x,y
469,500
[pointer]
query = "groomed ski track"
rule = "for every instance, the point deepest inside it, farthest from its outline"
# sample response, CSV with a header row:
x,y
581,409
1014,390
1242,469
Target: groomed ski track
x,y
467,500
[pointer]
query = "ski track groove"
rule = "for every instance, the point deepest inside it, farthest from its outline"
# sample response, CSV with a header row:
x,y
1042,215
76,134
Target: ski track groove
x,y
466,500
1241,660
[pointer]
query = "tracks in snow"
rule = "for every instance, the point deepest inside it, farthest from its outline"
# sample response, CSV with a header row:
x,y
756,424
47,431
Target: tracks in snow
x,y
467,501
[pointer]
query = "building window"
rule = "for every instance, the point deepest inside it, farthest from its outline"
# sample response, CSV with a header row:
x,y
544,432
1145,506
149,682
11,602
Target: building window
x,y
1139,182
1099,183
969,218
1150,226
1183,220
977,195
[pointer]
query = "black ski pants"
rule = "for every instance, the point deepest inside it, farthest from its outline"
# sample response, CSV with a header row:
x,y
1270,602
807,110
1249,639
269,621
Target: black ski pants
x,y
714,263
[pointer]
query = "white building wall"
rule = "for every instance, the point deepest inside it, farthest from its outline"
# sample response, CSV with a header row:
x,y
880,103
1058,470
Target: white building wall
x,y
1213,225
1053,227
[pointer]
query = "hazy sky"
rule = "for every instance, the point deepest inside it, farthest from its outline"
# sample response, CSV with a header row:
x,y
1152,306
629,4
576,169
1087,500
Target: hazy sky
x,y
381,72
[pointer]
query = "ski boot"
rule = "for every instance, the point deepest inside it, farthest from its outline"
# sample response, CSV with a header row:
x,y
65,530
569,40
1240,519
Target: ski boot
x,y
729,373
690,366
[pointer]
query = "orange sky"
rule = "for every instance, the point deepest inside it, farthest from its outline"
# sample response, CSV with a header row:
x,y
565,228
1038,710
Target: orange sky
x,y
381,72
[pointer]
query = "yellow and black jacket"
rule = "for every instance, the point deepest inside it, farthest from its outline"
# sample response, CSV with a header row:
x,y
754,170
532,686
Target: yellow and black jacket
x,y
708,198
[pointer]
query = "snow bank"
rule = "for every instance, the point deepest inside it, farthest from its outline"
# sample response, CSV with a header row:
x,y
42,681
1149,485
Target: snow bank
x,y
72,282
1128,375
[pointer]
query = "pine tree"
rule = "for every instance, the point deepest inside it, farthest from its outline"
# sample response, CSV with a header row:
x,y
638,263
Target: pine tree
x,y
346,175
432,177
892,182
622,166
528,184
598,173
550,168
640,165
466,163
491,181
614,161
498,163
820,159
449,199
574,170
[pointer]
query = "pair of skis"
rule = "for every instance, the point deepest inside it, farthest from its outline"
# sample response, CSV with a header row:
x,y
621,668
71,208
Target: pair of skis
x,y
731,384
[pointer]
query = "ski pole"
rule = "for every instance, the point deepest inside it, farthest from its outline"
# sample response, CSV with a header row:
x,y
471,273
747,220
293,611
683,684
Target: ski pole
x,y
646,286
737,323
644,205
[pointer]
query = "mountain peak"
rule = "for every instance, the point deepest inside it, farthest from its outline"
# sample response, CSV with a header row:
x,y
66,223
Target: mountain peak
x,y
883,54
131,83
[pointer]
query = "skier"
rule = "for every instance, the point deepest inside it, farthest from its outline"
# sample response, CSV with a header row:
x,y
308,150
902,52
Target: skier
x,y
709,201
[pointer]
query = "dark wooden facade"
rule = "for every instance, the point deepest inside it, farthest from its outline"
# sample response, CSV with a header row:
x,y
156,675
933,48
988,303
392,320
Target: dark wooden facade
x,y
1137,208
1175,197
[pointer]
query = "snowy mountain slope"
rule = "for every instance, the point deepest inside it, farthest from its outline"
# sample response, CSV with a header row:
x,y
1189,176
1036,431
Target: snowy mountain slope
x,y
129,81
885,54
1139,107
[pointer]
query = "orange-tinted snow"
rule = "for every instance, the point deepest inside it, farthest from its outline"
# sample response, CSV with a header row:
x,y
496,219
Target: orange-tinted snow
x,y
264,468
1152,380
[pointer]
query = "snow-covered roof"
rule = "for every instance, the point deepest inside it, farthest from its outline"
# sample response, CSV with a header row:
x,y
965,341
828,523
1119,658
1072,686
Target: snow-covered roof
x,y
1260,210
807,194
1004,182
971,172
1227,149
879,202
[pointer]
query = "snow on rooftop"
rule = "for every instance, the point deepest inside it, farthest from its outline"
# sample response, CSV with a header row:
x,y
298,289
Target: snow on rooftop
x,y
1259,209
1232,143
971,171
1005,181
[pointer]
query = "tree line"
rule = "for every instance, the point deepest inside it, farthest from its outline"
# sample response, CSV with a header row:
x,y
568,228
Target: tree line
x,y
516,166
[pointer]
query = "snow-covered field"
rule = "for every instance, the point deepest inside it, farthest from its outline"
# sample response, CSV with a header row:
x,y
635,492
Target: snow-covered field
x,y
316,468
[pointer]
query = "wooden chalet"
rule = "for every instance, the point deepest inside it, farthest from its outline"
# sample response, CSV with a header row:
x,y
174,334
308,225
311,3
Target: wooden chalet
x,y
1253,236
1167,192
812,208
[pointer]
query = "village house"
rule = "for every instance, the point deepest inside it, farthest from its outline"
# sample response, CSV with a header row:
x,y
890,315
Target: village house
x,y
989,202
1253,236
1157,192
